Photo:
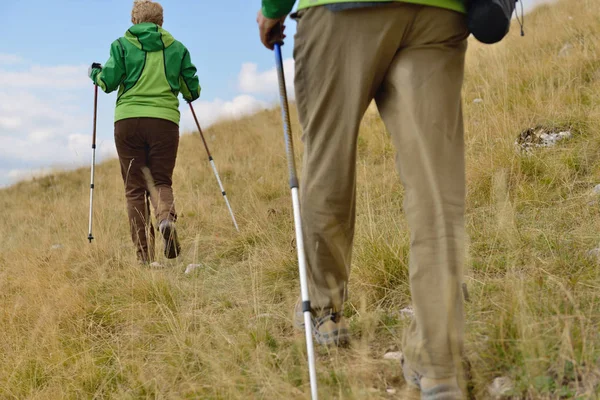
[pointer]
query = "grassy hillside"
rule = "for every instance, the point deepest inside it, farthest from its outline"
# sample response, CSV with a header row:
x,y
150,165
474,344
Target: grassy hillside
x,y
84,321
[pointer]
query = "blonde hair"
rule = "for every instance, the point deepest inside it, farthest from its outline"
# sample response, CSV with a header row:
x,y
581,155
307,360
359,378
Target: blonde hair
x,y
147,11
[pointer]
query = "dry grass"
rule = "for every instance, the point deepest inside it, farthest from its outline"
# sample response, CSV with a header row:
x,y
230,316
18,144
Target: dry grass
x,y
83,321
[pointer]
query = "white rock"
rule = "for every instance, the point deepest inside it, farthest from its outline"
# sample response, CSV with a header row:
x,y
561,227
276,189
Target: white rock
x,y
407,312
564,51
596,189
393,355
56,246
156,265
477,101
594,253
500,387
391,390
550,139
565,134
192,267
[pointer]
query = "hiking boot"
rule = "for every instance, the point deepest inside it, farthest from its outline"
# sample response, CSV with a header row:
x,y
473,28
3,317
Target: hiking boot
x,y
328,327
169,233
431,389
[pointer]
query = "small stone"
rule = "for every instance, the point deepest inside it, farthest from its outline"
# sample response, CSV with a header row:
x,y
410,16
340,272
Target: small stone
x,y
56,246
156,265
565,134
594,253
407,312
192,267
477,101
500,387
393,355
391,390
565,50
596,190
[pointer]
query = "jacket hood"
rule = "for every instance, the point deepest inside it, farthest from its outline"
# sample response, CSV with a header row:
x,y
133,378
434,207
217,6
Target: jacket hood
x,y
149,37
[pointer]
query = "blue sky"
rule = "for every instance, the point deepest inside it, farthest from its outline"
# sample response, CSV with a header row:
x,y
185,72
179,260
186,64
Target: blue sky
x,y
46,98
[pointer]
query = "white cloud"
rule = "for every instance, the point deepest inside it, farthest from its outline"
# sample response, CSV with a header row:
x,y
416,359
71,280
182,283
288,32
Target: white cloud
x,y
22,174
43,113
9,59
41,135
209,112
253,81
7,122
54,77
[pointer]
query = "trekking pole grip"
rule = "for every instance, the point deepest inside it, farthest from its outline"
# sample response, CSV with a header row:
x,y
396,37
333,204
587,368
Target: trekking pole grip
x,y
276,35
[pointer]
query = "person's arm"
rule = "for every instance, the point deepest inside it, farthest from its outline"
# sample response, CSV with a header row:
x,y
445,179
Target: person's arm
x,y
110,76
188,81
275,9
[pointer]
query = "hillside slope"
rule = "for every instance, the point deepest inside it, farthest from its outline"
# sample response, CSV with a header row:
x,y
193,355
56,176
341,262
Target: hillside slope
x,y
84,321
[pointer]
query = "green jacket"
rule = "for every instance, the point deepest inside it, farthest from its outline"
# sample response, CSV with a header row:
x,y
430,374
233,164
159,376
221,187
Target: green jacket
x,y
279,8
150,68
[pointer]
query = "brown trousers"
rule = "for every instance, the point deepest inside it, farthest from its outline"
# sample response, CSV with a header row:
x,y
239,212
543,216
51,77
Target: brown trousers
x,y
147,149
410,59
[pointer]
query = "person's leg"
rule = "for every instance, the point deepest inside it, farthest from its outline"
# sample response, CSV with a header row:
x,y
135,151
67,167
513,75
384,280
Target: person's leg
x,y
163,141
340,60
132,153
420,102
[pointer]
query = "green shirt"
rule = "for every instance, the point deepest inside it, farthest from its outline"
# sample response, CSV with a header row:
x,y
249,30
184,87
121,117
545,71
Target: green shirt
x,y
280,8
149,68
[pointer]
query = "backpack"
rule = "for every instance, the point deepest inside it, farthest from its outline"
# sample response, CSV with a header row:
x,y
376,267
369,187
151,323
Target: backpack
x,y
489,20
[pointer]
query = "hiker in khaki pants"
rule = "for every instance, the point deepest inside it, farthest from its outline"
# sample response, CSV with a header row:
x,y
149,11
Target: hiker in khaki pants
x,y
409,58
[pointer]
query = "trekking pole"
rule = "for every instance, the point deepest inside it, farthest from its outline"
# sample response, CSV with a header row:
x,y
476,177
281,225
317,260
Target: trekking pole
x,y
289,148
214,167
90,235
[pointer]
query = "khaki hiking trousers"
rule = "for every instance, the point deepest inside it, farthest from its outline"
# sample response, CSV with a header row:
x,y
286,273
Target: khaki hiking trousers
x,y
410,59
147,149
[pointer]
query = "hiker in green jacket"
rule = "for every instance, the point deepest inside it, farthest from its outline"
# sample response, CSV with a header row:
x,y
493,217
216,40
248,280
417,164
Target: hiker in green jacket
x,y
409,57
149,68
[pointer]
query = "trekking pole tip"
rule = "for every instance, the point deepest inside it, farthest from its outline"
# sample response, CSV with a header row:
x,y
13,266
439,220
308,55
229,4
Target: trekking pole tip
x,y
90,238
